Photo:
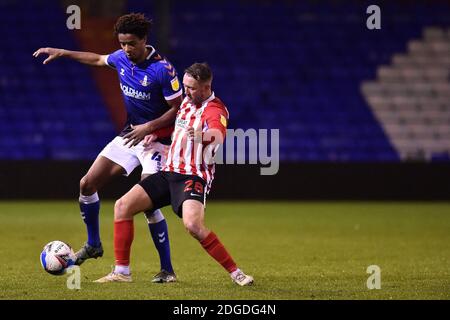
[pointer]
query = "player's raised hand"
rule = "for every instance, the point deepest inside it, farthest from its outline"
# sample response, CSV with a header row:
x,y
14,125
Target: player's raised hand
x,y
53,53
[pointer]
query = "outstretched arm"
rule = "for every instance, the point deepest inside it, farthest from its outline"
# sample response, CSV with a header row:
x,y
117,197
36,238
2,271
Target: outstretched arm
x,y
89,58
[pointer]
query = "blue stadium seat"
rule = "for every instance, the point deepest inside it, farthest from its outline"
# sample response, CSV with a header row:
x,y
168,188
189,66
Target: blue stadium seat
x,y
294,65
39,102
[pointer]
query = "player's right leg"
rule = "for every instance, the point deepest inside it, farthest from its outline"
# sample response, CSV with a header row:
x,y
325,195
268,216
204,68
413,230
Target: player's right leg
x,y
193,219
99,174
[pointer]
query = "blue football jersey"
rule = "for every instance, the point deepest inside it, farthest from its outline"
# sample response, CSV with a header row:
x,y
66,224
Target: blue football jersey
x,y
145,86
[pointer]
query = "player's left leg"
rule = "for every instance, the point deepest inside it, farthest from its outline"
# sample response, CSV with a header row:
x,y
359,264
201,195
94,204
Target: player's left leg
x,y
193,218
152,158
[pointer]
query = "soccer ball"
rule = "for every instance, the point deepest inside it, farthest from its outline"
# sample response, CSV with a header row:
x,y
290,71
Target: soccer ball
x,y
56,257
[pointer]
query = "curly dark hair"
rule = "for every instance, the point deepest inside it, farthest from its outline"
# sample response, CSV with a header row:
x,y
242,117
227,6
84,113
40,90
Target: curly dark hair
x,y
200,72
133,23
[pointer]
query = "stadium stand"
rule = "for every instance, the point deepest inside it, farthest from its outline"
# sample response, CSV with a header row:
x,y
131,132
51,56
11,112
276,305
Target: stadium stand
x,y
52,111
411,97
298,66
336,90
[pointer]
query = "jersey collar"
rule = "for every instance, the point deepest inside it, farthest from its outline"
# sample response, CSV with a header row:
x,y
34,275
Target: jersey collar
x,y
152,52
211,97
205,103
147,59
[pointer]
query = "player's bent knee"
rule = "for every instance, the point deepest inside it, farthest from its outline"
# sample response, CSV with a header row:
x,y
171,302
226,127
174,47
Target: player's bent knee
x,y
195,229
191,228
121,210
86,187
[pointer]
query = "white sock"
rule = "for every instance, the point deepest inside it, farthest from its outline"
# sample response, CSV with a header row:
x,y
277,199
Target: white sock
x,y
122,269
88,199
154,217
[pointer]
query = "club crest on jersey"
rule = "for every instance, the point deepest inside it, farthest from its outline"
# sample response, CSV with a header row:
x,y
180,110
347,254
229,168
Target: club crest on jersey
x,y
175,84
223,121
144,82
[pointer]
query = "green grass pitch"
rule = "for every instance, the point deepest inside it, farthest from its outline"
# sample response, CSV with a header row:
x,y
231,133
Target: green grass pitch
x,y
294,250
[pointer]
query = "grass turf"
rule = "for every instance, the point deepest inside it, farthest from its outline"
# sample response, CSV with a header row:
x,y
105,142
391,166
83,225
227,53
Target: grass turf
x,y
295,250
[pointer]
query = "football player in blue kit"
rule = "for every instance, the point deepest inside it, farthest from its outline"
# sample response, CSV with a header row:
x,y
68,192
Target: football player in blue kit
x,y
152,94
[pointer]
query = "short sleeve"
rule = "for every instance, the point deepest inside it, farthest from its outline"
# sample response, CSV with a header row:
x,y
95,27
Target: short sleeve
x,y
217,118
170,84
112,59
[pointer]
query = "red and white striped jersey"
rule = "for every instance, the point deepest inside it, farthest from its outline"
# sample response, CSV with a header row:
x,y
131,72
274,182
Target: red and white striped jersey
x,y
192,156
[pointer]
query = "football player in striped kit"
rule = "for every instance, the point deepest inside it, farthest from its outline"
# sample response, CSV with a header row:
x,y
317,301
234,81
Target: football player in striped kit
x,y
184,181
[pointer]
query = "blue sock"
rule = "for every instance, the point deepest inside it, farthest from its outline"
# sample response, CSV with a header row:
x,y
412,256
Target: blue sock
x,y
90,208
160,236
